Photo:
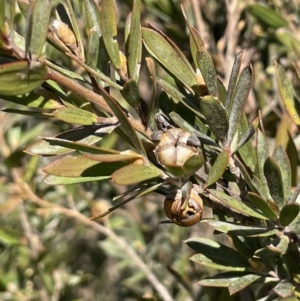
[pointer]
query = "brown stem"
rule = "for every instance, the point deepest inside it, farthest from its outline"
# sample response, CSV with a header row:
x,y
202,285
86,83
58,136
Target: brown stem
x,y
32,197
95,99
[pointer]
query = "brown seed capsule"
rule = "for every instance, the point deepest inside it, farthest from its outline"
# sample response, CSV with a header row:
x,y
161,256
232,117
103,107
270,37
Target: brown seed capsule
x,y
64,33
175,148
184,217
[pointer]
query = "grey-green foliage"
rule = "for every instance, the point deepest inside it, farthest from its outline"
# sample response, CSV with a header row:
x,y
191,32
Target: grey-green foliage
x,y
248,187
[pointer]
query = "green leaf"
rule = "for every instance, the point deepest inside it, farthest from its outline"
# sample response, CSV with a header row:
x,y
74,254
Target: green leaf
x,y
131,93
81,167
37,26
208,72
177,95
221,279
108,21
222,92
92,48
196,43
246,136
34,100
76,139
75,115
259,203
180,122
262,155
293,198
153,105
132,174
240,96
170,56
135,42
123,156
238,229
241,246
284,289
27,113
20,77
235,204
219,167
274,179
242,282
266,15
9,237
217,256
125,124
233,79
279,245
92,13
2,15
288,94
284,165
288,213
56,180
287,38
215,115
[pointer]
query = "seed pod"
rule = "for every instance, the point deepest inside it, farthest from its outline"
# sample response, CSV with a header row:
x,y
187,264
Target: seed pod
x,y
65,34
184,216
177,151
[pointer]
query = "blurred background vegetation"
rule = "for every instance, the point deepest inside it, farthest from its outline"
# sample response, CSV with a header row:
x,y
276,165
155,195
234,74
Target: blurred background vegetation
x,y
55,253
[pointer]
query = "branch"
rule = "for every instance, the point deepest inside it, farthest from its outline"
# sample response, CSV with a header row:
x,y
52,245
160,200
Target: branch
x,y
155,282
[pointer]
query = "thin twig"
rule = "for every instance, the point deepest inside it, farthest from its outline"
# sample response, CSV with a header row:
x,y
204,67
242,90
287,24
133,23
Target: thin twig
x,y
155,282
201,26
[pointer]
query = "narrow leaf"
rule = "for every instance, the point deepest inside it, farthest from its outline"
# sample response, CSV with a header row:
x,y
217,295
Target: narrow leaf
x,y
221,279
274,180
288,213
75,115
125,124
33,100
56,180
266,15
208,71
131,93
235,204
153,105
284,165
81,167
259,203
37,26
238,101
242,283
196,43
279,245
94,32
237,229
284,289
210,255
215,115
109,31
177,96
262,155
135,42
123,156
248,134
180,122
79,138
288,94
170,56
132,174
219,167
20,78
233,79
